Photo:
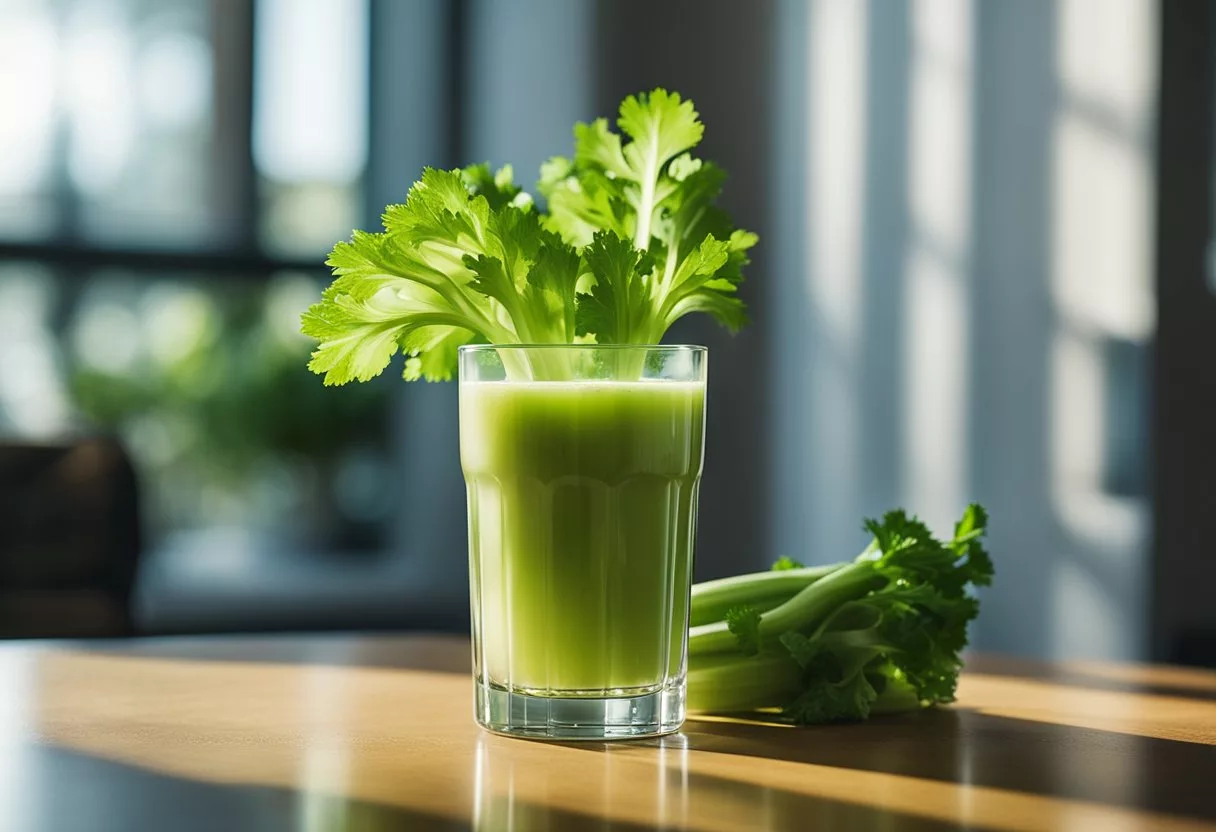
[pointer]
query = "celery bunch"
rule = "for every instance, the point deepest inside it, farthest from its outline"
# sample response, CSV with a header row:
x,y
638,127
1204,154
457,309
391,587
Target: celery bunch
x,y
878,634
630,241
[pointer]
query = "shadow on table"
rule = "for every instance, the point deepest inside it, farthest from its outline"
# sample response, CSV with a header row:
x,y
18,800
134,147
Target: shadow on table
x,y
764,807
961,746
1184,683
76,791
106,794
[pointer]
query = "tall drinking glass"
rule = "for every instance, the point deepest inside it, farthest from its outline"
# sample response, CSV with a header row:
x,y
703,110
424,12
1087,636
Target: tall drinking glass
x,y
583,464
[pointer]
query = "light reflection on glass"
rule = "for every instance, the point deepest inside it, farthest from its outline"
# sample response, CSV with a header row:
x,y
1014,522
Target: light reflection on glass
x,y
494,781
519,786
673,761
325,764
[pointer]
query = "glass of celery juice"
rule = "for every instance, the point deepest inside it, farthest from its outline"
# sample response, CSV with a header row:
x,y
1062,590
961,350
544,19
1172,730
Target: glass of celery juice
x,y
582,464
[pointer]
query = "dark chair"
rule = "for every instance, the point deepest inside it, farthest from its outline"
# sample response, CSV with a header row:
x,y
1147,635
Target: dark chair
x,y
69,540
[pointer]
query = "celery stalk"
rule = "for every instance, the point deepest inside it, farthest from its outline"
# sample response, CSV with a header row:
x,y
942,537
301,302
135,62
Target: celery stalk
x,y
805,610
712,600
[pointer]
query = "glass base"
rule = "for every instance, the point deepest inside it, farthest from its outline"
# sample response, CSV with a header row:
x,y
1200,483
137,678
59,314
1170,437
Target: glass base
x,y
579,718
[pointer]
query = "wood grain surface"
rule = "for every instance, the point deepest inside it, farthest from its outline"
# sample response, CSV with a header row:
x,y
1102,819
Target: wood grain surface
x,y
376,733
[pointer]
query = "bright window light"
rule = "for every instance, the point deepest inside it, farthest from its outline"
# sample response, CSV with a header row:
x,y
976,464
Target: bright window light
x,y
310,90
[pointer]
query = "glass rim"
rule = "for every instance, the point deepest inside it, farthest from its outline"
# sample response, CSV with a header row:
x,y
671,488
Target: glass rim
x,y
650,347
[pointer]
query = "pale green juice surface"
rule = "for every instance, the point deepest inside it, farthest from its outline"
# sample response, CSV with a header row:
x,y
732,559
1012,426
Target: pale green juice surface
x,y
582,508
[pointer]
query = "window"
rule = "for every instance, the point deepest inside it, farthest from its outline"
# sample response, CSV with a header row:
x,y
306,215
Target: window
x,y
171,174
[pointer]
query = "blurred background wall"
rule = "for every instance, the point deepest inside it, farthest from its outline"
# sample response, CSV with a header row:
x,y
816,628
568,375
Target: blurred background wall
x,y
969,242
955,296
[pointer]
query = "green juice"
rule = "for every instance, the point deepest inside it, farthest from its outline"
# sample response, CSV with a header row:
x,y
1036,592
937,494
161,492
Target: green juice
x,y
582,508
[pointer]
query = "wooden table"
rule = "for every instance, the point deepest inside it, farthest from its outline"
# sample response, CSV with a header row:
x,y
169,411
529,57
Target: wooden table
x,y
375,733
